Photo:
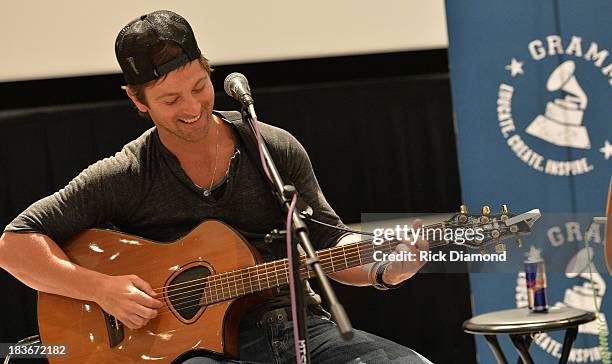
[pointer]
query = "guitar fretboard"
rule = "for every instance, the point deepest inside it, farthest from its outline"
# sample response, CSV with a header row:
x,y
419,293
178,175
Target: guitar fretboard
x,y
233,284
240,282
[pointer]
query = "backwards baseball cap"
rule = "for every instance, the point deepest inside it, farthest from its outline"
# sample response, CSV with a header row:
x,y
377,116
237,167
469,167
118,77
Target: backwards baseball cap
x,y
136,41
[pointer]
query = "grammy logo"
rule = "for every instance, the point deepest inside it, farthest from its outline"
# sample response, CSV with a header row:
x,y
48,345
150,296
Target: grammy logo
x,y
561,123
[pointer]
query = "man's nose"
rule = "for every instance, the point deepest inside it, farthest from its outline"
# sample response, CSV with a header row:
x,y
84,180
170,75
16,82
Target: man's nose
x,y
192,106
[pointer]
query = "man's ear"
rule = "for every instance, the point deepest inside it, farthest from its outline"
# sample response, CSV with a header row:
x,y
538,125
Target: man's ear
x,y
141,107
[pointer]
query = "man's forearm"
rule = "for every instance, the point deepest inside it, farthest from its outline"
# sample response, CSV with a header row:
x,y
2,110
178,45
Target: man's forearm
x,y
37,261
361,276
356,276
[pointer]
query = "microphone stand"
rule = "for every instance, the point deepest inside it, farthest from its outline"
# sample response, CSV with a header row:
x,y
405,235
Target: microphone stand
x,y
284,193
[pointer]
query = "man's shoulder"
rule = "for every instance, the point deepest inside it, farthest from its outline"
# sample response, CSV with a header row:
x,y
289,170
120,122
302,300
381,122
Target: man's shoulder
x,y
140,145
235,117
275,132
133,157
275,137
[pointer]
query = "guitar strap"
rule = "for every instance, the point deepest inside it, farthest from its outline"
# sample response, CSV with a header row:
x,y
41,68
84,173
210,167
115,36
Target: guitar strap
x,y
247,138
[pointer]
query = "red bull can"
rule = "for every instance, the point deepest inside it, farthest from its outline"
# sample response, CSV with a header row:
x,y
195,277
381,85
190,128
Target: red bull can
x,y
535,276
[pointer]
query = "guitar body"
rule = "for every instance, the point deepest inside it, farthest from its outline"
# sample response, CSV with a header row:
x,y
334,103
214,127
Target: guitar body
x,y
92,336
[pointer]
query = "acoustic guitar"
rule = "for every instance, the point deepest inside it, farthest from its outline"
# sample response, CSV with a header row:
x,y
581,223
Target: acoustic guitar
x,y
207,281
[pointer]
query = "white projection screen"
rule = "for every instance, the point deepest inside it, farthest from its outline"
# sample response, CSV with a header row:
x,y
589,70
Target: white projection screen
x,y
63,38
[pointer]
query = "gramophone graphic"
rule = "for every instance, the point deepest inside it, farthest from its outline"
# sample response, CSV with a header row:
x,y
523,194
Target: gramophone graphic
x,y
590,294
561,124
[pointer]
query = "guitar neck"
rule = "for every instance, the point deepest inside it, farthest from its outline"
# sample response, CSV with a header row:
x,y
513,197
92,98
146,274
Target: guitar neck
x,y
237,283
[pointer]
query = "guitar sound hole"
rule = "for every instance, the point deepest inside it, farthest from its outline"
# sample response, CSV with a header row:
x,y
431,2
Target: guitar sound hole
x,y
186,289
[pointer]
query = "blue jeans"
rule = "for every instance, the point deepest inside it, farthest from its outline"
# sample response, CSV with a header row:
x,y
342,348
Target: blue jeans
x,y
271,341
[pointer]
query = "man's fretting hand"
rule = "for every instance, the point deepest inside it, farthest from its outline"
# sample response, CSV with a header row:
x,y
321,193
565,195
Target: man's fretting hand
x,y
398,271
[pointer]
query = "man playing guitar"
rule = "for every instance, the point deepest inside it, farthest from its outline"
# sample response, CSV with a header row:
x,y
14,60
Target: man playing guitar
x,y
191,167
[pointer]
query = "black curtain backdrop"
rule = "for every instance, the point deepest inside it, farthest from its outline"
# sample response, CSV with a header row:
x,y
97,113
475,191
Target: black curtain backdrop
x,y
378,145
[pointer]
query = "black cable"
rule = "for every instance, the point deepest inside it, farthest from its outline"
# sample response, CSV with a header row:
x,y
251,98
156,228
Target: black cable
x,y
338,227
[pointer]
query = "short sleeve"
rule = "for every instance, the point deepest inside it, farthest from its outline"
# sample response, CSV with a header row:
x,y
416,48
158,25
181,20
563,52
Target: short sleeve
x,y
302,175
103,192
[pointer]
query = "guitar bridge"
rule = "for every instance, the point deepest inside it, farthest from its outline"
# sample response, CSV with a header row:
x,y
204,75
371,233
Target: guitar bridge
x,y
114,328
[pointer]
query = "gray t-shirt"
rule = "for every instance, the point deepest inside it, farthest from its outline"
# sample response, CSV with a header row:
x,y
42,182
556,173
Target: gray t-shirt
x,y
142,190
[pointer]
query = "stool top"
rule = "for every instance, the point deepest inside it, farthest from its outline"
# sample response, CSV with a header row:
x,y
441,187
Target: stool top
x,y
523,321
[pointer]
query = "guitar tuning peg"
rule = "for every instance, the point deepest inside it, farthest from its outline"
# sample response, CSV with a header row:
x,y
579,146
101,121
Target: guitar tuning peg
x,y
505,212
485,211
500,248
463,210
519,242
504,209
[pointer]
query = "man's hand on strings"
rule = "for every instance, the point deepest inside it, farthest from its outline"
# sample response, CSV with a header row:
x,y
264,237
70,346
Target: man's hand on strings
x,y
398,271
129,299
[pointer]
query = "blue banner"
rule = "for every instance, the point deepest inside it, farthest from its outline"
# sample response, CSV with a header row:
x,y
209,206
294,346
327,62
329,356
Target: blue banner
x,y
532,94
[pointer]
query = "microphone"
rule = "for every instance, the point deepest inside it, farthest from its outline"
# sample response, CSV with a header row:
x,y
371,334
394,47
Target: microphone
x,y
237,86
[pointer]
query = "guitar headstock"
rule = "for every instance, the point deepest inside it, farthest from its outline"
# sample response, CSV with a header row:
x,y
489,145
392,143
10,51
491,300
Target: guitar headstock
x,y
494,228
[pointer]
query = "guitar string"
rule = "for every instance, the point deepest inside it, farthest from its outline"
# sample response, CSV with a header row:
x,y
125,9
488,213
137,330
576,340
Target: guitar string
x,y
210,302
279,267
260,269
352,245
224,281
329,258
278,275
277,272
227,289
217,300
223,284
218,279
354,256
250,278
177,306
